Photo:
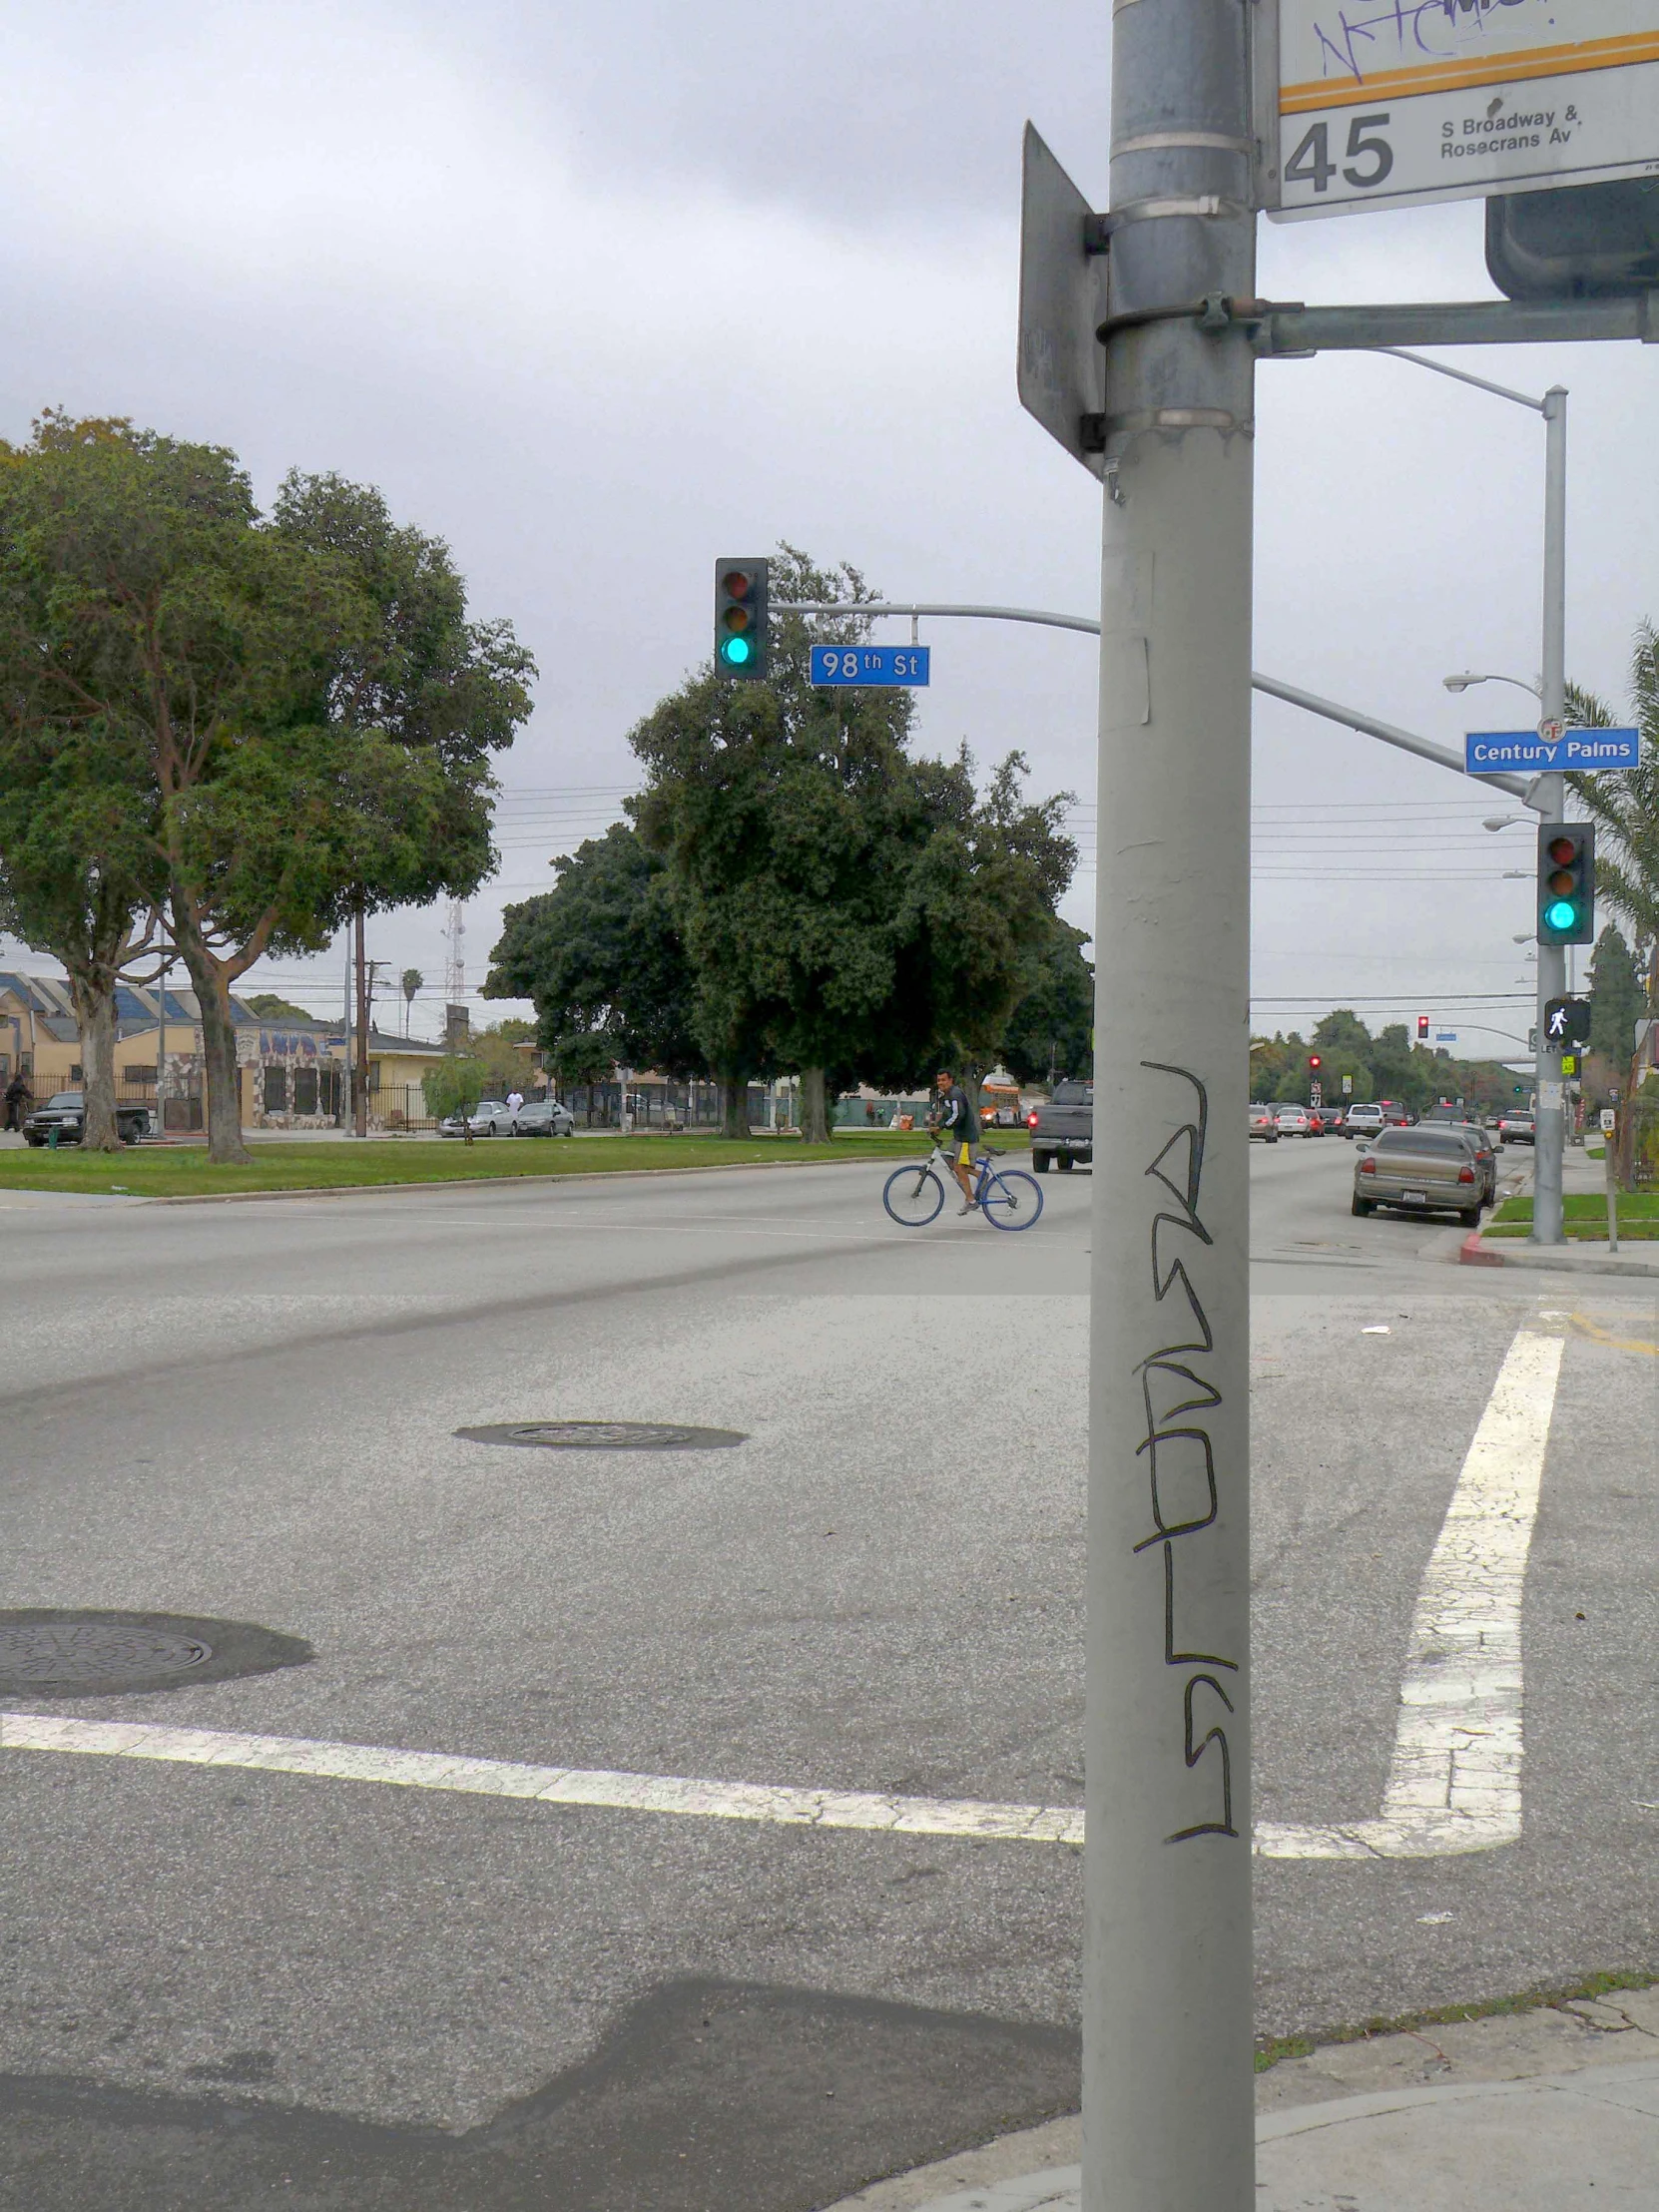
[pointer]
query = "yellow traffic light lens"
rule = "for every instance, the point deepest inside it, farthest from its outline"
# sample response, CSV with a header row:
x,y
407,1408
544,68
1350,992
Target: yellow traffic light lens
x,y
1560,884
735,619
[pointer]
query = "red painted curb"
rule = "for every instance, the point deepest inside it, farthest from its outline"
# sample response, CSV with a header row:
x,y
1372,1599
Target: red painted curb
x,y
1471,1254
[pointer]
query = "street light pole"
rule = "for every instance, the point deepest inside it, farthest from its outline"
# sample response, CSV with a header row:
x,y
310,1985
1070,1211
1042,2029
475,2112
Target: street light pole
x,y
1167,2059
1550,798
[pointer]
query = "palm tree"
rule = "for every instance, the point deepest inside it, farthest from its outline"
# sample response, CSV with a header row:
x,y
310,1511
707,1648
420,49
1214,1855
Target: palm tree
x,y
412,980
1624,806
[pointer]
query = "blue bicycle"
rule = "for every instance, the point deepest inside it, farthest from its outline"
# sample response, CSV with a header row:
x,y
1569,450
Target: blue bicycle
x,y
1007,1197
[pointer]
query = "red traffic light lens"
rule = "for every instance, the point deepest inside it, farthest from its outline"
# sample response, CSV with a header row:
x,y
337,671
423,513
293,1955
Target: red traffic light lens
x,y
1314,1060
1562,852
736,585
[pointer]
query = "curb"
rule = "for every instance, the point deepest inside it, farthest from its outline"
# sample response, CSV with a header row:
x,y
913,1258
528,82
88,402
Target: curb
x,y
477,1182
1472,1252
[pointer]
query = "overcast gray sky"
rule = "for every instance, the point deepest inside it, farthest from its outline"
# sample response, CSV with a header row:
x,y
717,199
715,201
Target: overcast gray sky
x,y
598,294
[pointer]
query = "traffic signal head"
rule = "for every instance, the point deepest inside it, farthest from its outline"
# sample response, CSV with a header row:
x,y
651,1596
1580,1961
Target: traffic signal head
x,y
1313,1061
1422,1028
740,639
1566,883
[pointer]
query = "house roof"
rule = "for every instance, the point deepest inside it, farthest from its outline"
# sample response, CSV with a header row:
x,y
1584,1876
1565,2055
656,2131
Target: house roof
x,y
137,1006
420,1048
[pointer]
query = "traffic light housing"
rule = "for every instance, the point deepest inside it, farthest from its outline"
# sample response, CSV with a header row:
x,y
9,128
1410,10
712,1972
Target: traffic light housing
x,y
1582,242
1566,883
741,638
1422,1028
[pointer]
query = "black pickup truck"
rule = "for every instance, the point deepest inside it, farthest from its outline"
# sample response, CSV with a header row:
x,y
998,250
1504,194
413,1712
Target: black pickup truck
x,y
1063,1130
65,1112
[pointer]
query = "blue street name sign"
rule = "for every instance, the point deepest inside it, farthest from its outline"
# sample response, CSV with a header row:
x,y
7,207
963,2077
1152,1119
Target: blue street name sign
x,y
869,664
1484,749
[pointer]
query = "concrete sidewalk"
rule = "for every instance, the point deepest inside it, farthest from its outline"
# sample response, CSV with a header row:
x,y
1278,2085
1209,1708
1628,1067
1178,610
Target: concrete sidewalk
x,y
1549,2110
1636,1258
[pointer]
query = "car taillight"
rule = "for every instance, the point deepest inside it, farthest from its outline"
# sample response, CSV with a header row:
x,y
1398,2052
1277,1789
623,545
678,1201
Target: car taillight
x,y
1465,1175
1032,1121
1367,1166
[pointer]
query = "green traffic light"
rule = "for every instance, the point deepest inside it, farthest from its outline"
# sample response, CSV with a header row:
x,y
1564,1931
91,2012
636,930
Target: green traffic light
x,y
736,650
1560,913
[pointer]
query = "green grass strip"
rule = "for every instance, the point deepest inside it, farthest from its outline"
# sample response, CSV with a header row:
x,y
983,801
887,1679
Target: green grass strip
x,y
187,1171
1584,1215
1270,2049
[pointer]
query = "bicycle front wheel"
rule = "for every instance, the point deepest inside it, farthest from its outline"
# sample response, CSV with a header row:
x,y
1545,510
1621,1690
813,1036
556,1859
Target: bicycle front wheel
x,y
913,1196
1013,1198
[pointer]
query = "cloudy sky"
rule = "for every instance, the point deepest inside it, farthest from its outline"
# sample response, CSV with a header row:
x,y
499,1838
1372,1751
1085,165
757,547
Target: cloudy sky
x,y
600,294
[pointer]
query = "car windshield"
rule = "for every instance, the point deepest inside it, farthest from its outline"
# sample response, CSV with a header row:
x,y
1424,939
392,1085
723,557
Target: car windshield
x,y
1441,1143
1073,1094
65,1098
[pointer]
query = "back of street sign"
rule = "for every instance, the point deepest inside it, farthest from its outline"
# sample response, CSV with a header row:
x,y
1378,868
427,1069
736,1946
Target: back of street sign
x,y
1382,104
1062,302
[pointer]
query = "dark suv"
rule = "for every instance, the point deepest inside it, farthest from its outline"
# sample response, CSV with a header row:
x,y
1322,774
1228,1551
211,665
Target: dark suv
x,y
65,1113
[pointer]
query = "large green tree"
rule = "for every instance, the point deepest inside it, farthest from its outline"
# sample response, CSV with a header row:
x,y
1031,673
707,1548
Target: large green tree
x,y
1050,1032
78,869
423,674
277,729
1617,1000
601,959
844,907
1400,1069
1624,806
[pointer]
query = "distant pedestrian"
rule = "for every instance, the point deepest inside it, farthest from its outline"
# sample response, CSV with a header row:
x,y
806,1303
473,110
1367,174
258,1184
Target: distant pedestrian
x,y
515,1099
19,1098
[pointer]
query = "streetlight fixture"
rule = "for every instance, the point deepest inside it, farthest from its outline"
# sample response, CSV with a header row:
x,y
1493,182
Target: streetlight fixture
x,y
1462,682
1501,822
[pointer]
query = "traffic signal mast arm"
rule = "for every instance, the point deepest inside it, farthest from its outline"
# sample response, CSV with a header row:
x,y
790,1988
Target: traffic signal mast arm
x,y
1404,741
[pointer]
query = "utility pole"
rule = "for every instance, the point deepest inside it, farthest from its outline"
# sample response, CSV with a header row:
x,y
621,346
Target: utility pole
x,y
359,1083
1549,1130
1168,2119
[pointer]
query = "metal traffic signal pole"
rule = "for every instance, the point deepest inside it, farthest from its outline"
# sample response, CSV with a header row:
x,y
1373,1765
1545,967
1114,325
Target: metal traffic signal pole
x,y
1168,2120
1549,798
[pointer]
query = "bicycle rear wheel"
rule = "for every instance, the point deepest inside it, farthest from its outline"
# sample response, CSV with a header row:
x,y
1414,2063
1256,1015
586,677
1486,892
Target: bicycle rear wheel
x,y
913,1196
1013,1198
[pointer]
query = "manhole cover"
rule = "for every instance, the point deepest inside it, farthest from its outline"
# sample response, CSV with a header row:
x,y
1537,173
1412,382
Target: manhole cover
x,y
605,1435
47,1652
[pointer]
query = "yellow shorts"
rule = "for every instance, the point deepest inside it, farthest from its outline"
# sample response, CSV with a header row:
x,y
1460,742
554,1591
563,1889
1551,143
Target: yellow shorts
x,y
964,1158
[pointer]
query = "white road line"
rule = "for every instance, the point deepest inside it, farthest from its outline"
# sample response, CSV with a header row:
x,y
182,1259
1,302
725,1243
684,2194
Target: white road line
x,y
630,1793
1453,1786
1455,1783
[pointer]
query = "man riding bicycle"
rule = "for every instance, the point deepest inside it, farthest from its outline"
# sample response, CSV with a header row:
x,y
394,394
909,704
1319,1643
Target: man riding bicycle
x,y
952,1120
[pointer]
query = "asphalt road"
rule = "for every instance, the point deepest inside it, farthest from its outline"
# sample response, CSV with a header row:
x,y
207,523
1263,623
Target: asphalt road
x,y
240,1989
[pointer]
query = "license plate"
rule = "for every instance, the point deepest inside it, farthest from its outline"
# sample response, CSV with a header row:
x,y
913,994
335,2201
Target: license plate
x,y
1414,1198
